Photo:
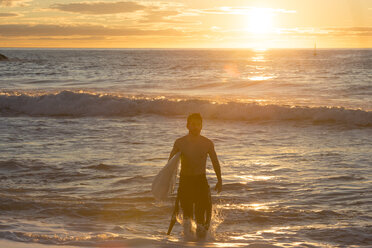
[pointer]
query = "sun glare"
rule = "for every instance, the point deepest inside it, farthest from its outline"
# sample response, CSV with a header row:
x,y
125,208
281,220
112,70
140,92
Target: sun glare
x,y
260,21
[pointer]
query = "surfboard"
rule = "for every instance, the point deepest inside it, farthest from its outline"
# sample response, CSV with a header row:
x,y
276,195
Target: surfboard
x,y
165,180
174,216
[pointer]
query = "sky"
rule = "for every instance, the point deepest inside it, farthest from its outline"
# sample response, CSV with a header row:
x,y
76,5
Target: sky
x,y
186,24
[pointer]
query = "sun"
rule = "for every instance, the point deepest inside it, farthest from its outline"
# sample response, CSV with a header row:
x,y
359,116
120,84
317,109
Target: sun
x,y
260,20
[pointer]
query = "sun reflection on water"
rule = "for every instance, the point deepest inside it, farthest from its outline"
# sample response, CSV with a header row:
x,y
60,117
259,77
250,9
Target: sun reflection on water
x,y
250,178
259,49
260,78
232,70
249,206
229,244
259,58
276,230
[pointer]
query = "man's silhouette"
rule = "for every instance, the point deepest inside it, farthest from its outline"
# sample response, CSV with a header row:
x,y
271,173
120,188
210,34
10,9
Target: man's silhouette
x,y
193,191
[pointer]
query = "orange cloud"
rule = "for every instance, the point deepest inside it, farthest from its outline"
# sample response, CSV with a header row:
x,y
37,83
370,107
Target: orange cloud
x,y
79,30
99,8
11,3
340,31
240,10
8,14
160,16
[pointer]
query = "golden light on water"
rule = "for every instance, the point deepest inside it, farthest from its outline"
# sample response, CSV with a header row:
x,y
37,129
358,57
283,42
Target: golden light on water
x,y
229,244
250,178
248,206
276,230
258,58
260,78
258,49
257,206
232,70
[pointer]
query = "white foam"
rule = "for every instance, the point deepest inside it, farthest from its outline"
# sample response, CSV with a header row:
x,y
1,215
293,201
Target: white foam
x,y
68,103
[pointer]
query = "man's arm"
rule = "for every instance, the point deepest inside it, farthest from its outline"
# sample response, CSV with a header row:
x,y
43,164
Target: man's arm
x,y
174,150
216,167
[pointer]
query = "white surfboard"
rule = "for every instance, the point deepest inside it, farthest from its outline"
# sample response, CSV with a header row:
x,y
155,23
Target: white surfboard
x,y
165,180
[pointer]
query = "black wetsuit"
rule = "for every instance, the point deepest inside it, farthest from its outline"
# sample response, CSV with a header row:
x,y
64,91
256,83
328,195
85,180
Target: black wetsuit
x,y
195,198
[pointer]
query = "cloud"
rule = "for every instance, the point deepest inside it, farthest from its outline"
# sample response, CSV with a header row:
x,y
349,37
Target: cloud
x,y
80,30
350,31
8,14
241,10
57,38
160,16
150,13
99,8
11,3
328,31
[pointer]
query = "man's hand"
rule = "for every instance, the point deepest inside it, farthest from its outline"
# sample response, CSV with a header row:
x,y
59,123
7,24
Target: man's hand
x,y
218,187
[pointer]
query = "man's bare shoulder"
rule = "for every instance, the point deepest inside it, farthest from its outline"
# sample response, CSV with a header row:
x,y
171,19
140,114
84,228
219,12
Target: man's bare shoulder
x,y
180,140
207,141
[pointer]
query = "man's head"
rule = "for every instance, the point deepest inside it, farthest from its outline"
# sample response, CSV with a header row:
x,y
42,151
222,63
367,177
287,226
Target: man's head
x,y
194,123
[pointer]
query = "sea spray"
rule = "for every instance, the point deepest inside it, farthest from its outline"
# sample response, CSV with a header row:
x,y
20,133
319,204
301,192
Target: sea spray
x,y
217,219
189,226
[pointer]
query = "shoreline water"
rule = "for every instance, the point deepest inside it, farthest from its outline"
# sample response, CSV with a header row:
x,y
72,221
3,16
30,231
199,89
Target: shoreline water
x,y
77,164
14,244
137,243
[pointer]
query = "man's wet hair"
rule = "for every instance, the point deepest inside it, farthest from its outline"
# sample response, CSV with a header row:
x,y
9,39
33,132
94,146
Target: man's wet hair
x,y
194,116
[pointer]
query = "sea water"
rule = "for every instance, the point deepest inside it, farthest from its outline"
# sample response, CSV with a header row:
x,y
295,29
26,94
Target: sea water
x,y
83,132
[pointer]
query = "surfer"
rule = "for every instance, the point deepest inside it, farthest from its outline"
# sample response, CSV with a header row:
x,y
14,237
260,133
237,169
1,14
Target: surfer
x,y
193,191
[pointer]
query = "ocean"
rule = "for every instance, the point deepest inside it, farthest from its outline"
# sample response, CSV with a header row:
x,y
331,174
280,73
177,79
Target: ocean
x,y
83,132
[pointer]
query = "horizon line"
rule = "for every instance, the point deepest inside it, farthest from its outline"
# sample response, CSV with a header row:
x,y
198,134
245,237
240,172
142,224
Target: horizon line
x,y
185,48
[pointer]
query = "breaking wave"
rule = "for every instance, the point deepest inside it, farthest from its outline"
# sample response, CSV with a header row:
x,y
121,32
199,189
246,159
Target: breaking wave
x,y
76,104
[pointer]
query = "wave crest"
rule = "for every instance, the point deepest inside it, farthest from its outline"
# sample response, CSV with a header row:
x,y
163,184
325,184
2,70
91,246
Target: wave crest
x,y
74,104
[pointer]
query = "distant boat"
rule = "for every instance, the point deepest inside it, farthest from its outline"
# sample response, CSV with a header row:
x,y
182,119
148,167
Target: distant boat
x,y
315,49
